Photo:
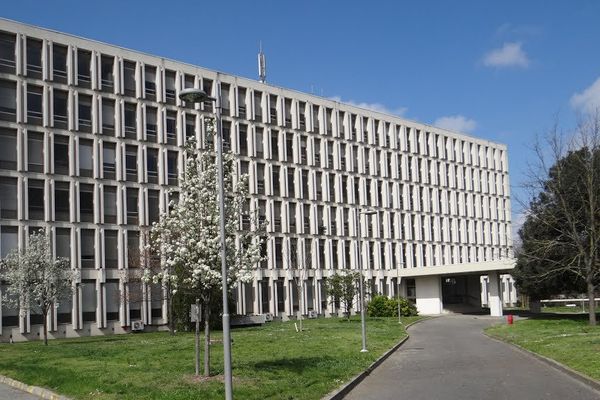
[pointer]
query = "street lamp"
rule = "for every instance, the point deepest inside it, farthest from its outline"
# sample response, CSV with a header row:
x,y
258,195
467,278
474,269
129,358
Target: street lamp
x,y
193,95
361,288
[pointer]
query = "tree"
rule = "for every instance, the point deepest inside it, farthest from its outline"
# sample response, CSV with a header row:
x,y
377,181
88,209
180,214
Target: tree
x,y
36,280
299,263
561,234
188,236
342,288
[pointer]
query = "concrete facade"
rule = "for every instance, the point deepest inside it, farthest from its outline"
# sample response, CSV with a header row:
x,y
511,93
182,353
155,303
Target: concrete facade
x,y
91,140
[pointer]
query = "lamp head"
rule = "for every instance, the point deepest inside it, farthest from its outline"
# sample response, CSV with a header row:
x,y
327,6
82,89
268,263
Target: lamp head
x,y
193,95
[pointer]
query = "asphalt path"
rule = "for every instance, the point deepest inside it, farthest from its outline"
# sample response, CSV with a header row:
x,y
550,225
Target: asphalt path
x,y
10,393
450,358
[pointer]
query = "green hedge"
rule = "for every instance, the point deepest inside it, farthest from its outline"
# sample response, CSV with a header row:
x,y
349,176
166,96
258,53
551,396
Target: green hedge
x,y
383,306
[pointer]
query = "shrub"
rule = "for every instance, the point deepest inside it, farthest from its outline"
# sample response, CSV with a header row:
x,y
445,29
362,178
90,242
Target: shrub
x,y
382,306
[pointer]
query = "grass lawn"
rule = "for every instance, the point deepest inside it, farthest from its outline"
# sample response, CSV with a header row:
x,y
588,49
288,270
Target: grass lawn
x,y
269,362
568,340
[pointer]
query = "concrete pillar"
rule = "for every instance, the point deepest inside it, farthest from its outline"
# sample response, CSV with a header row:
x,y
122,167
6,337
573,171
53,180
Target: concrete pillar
x,y
274,299
317,296
258,297
289,307
495,295
429,295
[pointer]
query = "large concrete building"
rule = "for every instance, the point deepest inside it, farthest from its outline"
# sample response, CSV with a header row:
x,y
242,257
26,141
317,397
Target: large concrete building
x,y
91,140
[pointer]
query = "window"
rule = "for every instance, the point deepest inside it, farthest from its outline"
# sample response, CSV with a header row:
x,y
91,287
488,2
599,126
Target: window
x,y
171,127
243,137
8,197
110,204
61,155
170,87
8,148
131,163
106,73
87,248
190,131
150,82
86,166
130,121
108,160
132,205
8,103
35,152
61,116
85,113
152,165
84,59
62,201
63,242
153,206
151,129
34,58
108,117
258,143
34,104
274,145
275,180
59,63
291,183
110,250
86,203
129,78
7,52
36,199
172,169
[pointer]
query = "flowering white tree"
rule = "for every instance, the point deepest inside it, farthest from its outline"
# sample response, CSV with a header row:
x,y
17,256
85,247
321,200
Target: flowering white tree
x,y
37,281
188,236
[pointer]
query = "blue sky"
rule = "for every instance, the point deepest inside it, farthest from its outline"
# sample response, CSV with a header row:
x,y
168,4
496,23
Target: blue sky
x,y
501,70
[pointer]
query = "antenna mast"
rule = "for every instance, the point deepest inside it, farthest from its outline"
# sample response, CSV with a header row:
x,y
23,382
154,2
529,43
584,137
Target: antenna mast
x,y
262,65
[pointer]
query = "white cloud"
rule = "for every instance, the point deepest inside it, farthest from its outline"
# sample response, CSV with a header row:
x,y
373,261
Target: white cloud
x,y
457,123
589,100
399,111
509,55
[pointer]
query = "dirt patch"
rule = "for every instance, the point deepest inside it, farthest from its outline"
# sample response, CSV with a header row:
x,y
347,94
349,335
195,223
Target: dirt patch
x,y
213,378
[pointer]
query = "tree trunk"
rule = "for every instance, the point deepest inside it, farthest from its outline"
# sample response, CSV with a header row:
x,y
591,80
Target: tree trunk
x,y
592,303
45,315
206,339
170,311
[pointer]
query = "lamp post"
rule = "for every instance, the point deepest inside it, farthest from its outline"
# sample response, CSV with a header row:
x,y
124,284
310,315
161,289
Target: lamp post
x,y
398,282
194,95
363,323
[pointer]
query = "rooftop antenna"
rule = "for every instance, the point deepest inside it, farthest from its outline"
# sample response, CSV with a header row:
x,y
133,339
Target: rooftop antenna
x,y
262,65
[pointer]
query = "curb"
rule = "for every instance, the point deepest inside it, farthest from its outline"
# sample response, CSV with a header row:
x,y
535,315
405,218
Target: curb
x,y
584,379
35,390
341,392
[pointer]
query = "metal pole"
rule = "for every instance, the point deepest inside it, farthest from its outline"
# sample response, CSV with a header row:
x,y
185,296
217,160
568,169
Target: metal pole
x,y
197,338
398,292
363,324
226,332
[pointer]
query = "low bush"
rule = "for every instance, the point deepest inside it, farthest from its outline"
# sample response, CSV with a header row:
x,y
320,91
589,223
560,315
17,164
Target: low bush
x,y
383,306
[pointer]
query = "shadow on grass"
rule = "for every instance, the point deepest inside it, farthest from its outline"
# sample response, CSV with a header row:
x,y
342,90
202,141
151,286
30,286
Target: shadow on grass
x,y
295,365
549,315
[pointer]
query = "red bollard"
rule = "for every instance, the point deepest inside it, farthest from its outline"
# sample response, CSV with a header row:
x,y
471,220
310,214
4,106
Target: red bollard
x,y
509,319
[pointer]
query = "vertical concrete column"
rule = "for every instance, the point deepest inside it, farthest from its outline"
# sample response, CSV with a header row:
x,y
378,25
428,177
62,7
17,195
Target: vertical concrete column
x,y
429,295
304,307
274,298
317,296
495,295
288,300
258,297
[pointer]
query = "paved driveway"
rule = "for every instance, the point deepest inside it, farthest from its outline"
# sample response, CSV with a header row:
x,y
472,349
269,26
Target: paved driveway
x,y
10,393
449,358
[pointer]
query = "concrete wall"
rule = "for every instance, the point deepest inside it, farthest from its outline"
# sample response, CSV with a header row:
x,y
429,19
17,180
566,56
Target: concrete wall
x,y
429,295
